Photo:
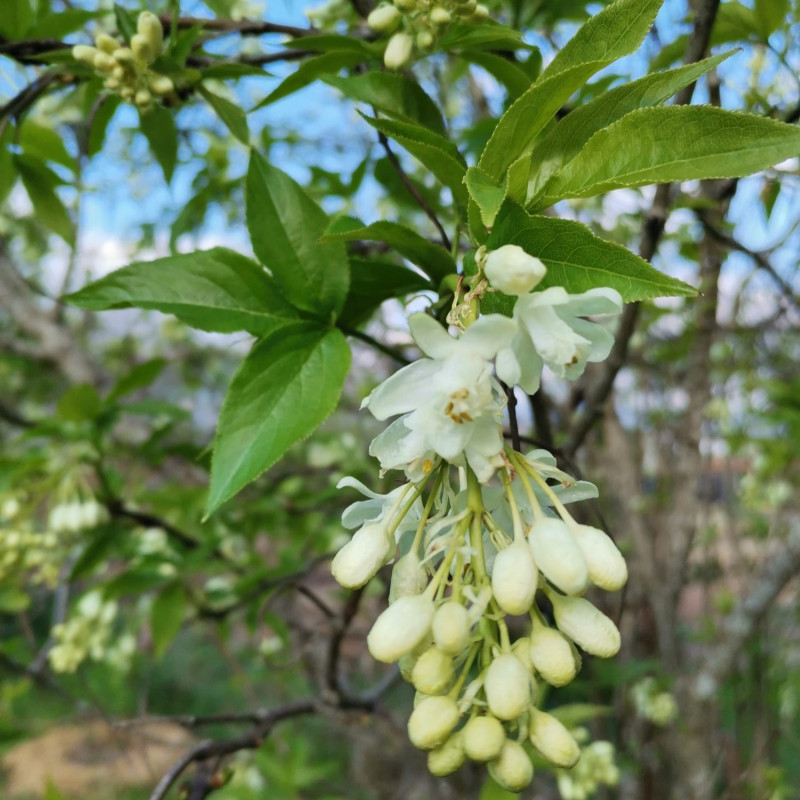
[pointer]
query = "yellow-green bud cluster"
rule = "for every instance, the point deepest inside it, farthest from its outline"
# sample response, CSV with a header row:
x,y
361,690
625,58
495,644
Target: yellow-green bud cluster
x,y
126,69
415,25
594,768
652,703
478,555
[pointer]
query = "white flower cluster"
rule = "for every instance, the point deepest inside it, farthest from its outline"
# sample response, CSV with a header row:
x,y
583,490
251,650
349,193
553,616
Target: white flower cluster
x,y
422,22
88,635
652,703
127,69
594,768
490,540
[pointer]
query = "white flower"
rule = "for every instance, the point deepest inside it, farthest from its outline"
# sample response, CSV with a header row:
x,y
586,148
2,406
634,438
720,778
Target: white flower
x,y
550,331
511,270
450,401
378,508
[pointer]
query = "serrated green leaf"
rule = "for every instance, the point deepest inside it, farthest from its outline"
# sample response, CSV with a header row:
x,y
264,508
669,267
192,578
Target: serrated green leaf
x,y
509,73
487,194
44,143
770,15
159,128
138,377
396,96
614,32
433,151
285,226
166,617
675,143
309,71
16,18
566,138
234,117
429,257
488,35
214,290
373,281
40,183
100,121
287,386
578,260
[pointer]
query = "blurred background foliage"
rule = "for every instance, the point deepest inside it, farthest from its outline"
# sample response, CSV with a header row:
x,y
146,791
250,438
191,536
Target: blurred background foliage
x,y
118,602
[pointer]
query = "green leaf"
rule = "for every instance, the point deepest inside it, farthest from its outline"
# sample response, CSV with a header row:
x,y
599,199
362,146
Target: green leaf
x,y
80,403
488,35
487,194
373,281
578,260
674,143
569,135
516,80
13,600
234,117
99,124
51,792
330,42
309,71
214,290
166,616
431,258
60,23
394,95
126,24
285,225
433,151
287,386
770,15
16,18
614,32
8,174
159,128
228,69
139,376
44,143
491,790
40,183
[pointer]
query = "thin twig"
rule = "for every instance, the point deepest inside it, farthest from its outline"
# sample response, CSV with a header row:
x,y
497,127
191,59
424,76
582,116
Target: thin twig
x,y
377,345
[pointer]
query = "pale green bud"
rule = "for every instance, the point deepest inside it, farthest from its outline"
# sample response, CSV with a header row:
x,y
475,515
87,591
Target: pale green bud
x,y
400,628
552,656
448,756
149,26
161,85
384,18
104,62
108,44
507,687
433,672
358,561
424,40
118,72
484,738
123,55
398,51
451,627
553,740
142,48
127,92
467,9
586,625
558,556
111,83
513,271
432,721
514,578
84,54
406,5
607,568
408,577
512,769
143,98
481,13
439,16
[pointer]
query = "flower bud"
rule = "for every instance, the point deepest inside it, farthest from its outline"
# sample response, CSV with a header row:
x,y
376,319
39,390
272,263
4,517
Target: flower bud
x,y
507,687
586,625
143,99
104,62
400,628
424,40
439,16
553,740
142,48
84,54
384,18
511,270
607,568
161,85
149,26
431,721
398,51
468,8
451,627
108,44
408,577
483,738
558,556
433,672
358,561
512,769
448,756
406,5
552,656
514,578
481,13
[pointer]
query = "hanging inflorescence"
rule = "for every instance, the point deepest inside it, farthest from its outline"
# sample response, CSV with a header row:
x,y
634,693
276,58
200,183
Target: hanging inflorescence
x,y
482,532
